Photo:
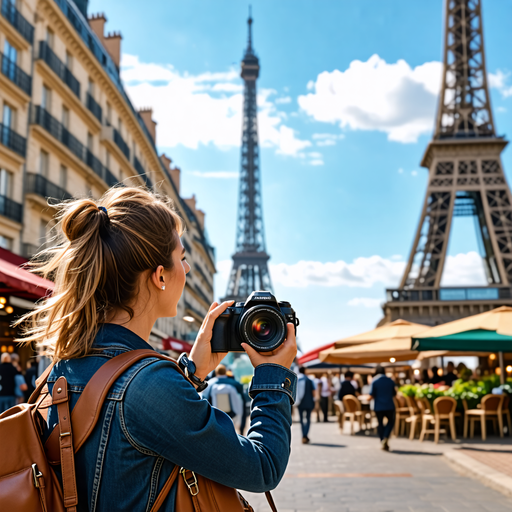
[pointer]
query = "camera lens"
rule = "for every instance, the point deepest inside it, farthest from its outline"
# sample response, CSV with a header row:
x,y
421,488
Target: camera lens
x,y
263,328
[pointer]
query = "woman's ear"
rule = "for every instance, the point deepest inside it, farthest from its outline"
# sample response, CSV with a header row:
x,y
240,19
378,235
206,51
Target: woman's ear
x,y
158,277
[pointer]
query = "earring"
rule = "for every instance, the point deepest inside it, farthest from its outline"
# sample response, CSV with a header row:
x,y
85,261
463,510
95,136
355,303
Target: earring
x,y
163,287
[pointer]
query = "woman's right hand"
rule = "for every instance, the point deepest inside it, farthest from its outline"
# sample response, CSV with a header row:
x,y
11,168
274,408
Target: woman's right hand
x,y
284,355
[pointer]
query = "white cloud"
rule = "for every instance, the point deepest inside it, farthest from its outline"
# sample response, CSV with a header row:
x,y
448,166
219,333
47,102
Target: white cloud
x,y
203,109
214,174
327,139
498,81
284,100
464,269
374,95
316,162
366,302
364,272
414,173
400,171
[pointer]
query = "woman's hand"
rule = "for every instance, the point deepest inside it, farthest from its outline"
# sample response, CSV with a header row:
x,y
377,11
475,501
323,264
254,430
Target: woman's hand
x,y
201,353
284,355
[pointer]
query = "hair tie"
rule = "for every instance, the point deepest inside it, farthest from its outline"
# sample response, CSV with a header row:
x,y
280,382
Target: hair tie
x,y
104,210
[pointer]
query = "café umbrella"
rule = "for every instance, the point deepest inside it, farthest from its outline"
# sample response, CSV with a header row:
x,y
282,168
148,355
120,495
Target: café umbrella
x,y
486,332
387,343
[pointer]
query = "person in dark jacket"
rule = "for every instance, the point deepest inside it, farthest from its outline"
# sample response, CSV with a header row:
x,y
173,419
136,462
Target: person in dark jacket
x,y
7,383
30,378
305,402
450,376
382,391
347,388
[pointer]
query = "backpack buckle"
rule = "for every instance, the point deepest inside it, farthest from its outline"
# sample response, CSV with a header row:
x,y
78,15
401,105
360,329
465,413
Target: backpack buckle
x,y
36,474
192,484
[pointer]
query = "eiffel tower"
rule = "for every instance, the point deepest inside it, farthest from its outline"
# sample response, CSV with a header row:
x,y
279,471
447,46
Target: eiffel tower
x,y
465,179
250,270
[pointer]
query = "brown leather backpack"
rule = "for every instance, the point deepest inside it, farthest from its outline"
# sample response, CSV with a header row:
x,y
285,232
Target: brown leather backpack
x,y
27,480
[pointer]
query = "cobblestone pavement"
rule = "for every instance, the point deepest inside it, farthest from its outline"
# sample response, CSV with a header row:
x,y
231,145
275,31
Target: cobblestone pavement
x,y
499,458
343,473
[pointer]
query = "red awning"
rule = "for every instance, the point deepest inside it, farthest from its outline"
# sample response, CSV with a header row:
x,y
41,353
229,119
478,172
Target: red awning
x,y
177,345
313,354
18,281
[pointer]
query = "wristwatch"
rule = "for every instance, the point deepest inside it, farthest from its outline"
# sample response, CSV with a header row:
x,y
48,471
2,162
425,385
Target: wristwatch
x,y
189,369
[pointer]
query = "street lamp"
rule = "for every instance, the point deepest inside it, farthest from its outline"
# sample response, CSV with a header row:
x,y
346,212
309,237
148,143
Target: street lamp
x,y
189,319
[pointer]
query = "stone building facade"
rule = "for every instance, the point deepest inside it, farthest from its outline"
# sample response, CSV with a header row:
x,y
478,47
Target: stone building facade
x,y
68,129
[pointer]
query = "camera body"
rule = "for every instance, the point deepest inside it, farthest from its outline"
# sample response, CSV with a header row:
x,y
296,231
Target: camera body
x,y
260,322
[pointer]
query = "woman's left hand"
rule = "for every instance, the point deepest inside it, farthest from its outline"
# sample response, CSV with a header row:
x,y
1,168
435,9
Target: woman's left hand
x,y
201,353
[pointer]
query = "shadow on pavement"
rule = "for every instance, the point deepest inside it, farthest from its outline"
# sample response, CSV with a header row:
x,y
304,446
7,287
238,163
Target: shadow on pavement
x,y
327,445
410,452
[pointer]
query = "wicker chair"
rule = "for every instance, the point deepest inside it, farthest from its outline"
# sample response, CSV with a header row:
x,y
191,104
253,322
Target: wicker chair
x,y
415,416
353,412
506,413
444,411
491,408
401,414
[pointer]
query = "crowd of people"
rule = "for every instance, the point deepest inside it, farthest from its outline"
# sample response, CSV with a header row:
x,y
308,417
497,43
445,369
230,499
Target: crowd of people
x,y
16,385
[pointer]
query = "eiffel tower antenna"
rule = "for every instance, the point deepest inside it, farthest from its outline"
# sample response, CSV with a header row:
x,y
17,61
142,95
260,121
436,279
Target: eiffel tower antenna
x,y
250,270
465,179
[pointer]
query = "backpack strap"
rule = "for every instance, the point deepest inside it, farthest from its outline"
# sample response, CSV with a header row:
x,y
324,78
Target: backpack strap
x,y
87,410
60,397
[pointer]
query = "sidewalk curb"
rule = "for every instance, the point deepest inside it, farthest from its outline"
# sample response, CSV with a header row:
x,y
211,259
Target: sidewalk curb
x,y
475,469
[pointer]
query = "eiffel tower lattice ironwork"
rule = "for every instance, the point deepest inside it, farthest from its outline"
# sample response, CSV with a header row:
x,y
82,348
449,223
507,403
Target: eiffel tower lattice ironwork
x,y
250,269
465,178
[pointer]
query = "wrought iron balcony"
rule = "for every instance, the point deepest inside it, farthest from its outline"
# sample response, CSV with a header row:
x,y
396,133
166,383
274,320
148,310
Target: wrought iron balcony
x,y
454,293
43,118
202,294
15,74
110,179
121,144
141,171
94,107
58,67
11,14
37,184
12,140
10,209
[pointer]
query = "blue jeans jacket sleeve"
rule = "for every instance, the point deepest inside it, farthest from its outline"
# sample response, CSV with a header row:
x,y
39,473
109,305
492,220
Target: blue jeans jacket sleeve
x,y
164,414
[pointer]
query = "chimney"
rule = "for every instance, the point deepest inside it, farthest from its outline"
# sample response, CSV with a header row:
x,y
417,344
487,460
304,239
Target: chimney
x,y
112,43
191,203
175,172
97,24
147,115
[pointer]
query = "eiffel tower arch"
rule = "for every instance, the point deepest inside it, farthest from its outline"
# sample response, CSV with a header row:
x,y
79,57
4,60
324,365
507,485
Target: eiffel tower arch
x,y
465,178
250,270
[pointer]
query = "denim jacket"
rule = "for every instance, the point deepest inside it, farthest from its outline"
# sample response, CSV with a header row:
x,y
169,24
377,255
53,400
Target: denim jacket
x,y
154,419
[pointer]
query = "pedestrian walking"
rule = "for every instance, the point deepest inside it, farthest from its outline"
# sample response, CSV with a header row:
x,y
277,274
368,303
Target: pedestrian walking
x,y
382,391
325,394
223,394
347,386
305,402
21,385
245,398
30,378
119,267
7,383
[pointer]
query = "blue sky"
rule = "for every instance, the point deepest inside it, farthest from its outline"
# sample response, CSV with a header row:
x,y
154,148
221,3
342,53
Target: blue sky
x,y
347,98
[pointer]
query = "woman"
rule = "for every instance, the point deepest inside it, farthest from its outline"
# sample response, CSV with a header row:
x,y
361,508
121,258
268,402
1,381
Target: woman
x,y
121,266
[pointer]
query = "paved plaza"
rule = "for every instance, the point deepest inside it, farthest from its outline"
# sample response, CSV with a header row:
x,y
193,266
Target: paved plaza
x,y
343,473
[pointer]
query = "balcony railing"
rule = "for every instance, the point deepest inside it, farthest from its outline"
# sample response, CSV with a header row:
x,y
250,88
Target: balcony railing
x,y
12,140
455,294
10,208
94,107
43,118
38,184
203,275
15,74
15,18
58,67
121,144
141,171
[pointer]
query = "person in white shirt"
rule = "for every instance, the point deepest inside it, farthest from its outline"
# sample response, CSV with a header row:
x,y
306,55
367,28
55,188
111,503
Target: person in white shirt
x,y
325,394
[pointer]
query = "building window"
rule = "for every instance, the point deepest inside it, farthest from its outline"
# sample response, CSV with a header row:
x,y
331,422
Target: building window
x,y
107,160
90,142
63,177
6,242
46,100
65,117
44,163
69,61
109,114
10,52
50,37
120,126
91,88
5,183
8,116
42,231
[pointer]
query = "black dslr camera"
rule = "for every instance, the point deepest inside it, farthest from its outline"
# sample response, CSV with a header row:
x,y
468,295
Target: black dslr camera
x,y
260,322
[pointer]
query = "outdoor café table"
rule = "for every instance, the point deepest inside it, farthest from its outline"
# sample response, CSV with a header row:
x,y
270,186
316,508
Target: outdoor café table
x,y
366,401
